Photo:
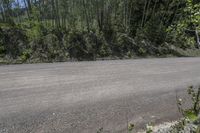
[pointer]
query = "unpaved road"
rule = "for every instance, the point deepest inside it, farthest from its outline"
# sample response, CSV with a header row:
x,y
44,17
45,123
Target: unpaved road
x,y
81,97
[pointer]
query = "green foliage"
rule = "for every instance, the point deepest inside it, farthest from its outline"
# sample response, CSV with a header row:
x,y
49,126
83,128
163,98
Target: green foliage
x,y
2,48
104,50
125,45
13,41
190,119
191,115
153,31
131,127
79,45
100,130
193,9
2,51
85,30
34,29
26,54
182,32
193,112
149,128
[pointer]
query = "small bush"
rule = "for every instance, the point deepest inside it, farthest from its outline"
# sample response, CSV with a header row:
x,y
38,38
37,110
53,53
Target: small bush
x,y
12,41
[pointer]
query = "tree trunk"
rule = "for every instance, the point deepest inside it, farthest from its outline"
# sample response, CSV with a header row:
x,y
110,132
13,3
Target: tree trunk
x,y
144,13
86,15
28,14
57,13
197,36
29,6
2,14
53,13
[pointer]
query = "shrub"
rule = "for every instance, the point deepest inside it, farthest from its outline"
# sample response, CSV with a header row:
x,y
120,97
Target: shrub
x,y
12,41
26,54
102,46
125,45
83,45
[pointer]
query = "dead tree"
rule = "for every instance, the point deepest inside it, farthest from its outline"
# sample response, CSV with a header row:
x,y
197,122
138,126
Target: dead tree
x,y
197,36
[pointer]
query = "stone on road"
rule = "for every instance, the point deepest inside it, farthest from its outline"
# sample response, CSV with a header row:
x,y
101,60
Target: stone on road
x,y
82,97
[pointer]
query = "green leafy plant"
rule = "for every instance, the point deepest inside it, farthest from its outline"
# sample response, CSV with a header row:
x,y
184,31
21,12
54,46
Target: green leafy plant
x,y
182,32
149,128
131,127
193,112
100,130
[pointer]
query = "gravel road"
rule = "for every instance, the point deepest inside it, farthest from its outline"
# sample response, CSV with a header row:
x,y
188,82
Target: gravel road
x,y
82,97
